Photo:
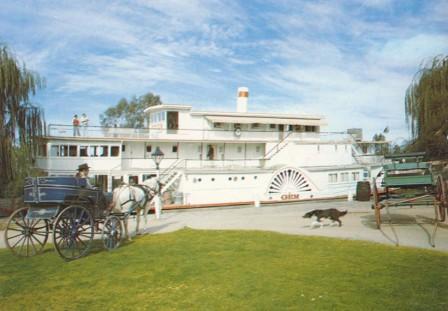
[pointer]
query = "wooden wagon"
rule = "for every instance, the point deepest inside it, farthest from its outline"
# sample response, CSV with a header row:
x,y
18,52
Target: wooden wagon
x,y
409,181
70,210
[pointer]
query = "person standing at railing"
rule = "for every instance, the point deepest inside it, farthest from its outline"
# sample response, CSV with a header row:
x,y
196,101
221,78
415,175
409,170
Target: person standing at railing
x,y
75,122
84,123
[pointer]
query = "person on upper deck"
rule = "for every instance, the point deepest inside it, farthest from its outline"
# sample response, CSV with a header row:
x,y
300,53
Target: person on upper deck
x,y
84,120
75,122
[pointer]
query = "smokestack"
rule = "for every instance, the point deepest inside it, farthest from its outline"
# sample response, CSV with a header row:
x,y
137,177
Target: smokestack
x,y
241,102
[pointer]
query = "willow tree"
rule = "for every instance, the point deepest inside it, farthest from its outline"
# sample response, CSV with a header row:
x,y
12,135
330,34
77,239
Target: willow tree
x,y
21,123
426,107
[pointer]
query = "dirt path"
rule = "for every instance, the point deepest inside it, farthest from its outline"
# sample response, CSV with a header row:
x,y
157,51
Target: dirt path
x,y
358,224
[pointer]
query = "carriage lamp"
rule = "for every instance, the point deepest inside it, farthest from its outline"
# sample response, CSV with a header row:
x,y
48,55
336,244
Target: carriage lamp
x,y
157,156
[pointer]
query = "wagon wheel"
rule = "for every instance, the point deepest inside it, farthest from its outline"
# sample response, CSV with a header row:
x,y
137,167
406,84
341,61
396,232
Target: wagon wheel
x,y
376,202
26,237
112,232
441,197
73,232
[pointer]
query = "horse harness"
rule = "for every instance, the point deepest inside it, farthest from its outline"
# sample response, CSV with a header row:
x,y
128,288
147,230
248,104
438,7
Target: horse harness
x,y
148,192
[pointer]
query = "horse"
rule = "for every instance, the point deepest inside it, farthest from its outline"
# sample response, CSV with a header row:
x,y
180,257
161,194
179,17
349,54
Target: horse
x,y
129,198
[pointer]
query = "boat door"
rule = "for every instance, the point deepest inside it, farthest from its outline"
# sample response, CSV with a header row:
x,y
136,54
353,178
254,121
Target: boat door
x,y
281,129
211,152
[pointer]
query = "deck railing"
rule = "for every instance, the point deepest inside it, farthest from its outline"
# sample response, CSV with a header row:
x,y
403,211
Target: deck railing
x,y
59,130
69,164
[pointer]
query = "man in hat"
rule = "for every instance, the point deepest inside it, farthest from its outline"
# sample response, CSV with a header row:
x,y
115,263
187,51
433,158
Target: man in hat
x,y
83,171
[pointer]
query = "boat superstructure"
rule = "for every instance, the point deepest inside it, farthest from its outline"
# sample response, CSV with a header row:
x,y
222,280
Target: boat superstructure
x,y
216,157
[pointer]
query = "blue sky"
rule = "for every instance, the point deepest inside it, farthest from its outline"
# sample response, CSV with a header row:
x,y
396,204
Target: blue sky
x,y
350,61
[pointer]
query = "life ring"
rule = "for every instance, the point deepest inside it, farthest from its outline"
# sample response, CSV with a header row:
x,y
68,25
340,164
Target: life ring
x,y
237,132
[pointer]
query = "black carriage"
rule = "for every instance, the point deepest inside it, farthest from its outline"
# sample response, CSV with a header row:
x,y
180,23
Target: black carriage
x,y
66,207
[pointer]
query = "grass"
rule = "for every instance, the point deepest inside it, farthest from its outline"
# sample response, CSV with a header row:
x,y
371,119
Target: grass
x,y
227,270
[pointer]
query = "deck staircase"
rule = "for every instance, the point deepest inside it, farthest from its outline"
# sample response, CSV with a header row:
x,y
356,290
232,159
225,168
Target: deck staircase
x,y
170,177
276,149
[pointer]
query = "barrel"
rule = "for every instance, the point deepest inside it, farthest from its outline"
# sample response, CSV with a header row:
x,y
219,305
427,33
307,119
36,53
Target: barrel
x,y
363,191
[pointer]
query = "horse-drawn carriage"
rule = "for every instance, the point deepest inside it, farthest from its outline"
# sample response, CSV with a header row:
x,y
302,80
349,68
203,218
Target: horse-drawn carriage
x,y
409,181
68,209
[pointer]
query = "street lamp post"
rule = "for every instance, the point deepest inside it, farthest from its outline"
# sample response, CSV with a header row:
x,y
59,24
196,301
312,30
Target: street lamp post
x,y
157,156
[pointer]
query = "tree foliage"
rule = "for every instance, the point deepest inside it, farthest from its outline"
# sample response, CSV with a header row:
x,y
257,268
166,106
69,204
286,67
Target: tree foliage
x,y
426,107
21,123
382,147
129,113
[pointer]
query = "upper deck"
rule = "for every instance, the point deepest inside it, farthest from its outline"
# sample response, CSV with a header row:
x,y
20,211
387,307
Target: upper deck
x,y
242,133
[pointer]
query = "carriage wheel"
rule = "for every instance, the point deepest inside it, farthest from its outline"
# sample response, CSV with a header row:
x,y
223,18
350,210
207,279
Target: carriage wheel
x,y
376,202
112,232
441,197
26,237
73,232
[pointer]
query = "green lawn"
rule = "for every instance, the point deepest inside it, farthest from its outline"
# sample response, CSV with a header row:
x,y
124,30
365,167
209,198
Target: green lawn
x,y
230,270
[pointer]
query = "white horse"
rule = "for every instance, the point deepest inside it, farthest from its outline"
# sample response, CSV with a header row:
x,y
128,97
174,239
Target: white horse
x,y
129,198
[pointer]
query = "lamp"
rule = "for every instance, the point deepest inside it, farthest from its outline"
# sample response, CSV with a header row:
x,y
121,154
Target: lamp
x,y
157,156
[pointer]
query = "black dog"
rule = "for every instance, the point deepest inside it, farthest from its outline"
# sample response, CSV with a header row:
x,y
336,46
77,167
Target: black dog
x,y
331,213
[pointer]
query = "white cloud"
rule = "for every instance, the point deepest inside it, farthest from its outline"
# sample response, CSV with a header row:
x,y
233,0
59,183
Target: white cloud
x,y
409,52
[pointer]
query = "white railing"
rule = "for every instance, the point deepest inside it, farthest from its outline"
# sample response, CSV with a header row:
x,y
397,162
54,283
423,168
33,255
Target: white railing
x,y
70,164
369,159
58,130
222,164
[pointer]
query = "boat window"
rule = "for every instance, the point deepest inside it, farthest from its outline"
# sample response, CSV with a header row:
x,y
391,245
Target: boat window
x,y
257,149
83,151
299,128
148,148
333,178
54,151
104,151
133,180
255,125
217,125
114,151
73,150
239,149
355,176
344,177
172,120
175,148
92,151
64,151
272,126
310,128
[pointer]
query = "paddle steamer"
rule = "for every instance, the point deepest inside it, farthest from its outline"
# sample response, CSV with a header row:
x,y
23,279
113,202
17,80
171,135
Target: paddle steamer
x,y
217,157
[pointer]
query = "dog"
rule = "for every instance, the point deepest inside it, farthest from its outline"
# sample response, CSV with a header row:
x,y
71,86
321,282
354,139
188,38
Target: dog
x,y
331,213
